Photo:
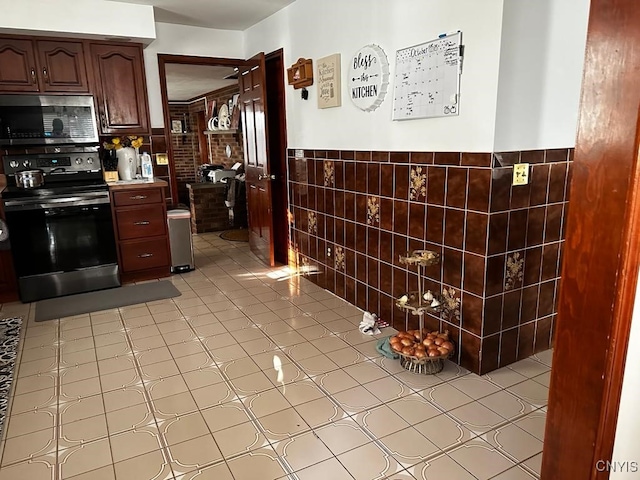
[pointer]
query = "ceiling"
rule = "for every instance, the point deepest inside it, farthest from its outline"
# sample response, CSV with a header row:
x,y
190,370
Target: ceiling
x,y
222,14
185,82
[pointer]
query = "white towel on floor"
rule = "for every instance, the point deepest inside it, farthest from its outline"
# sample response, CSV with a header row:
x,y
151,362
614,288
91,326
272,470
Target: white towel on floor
x,y
369,324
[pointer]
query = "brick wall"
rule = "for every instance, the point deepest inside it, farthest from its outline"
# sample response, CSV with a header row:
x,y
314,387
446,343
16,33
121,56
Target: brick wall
x,y
186,152
218,142
208,211
185,156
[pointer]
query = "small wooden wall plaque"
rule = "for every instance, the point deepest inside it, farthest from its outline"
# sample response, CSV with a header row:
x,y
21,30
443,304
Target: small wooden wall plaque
x,y
300,74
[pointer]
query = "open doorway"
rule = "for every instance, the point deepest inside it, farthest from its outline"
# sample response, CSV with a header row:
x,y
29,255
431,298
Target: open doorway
x,y
190,87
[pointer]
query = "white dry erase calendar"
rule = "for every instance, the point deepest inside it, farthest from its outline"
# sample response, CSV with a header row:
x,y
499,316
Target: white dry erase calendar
x,y
427,79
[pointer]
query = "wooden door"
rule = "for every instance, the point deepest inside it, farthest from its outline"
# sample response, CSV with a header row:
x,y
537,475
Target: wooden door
x,y
276,122
62,66
17,66
600,257
256,154
121,92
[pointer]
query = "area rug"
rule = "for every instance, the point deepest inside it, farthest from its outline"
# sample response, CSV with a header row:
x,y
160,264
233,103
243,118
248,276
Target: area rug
x,y
104,300
9,338
241,235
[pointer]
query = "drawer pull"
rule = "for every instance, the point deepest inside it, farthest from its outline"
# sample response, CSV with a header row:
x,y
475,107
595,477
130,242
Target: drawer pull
x,y
141,223
145,255
138,197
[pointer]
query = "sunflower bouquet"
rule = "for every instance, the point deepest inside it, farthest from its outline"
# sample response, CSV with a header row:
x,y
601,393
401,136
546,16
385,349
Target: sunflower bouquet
x,y
117,143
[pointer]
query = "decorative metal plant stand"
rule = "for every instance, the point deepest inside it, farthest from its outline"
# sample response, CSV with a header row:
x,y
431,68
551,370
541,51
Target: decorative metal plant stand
x,y
416,304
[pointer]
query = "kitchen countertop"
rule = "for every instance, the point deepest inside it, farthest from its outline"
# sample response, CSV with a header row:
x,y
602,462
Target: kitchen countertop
x,y
128,184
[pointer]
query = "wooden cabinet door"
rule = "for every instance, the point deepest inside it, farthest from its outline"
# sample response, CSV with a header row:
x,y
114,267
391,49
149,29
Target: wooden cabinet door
x,y
121,91
62,66
17,66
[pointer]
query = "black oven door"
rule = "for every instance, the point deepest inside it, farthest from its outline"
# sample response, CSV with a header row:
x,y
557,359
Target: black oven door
x,y
62,245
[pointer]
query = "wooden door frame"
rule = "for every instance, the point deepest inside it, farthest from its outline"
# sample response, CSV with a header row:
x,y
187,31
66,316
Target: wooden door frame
x,y
163,60
601,252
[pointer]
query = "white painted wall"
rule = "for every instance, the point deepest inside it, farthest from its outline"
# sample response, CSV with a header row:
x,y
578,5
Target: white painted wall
x,y
626,446
313,29
68,18
541,63
185,40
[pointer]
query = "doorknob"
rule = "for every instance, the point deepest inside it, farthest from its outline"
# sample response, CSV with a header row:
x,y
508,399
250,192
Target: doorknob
x,y
266,177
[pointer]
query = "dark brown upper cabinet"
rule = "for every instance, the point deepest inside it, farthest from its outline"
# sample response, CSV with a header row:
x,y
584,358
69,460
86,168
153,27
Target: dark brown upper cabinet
x,y
62,67
18,69
45,66
120,89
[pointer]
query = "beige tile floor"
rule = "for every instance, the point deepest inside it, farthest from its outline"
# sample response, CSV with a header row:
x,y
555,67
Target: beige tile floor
x,y
255,374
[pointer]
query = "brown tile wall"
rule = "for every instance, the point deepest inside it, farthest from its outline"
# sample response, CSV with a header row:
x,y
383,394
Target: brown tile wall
x,y
367,208
524,255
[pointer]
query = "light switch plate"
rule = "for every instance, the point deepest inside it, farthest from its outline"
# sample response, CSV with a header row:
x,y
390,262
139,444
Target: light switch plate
x,y
520,174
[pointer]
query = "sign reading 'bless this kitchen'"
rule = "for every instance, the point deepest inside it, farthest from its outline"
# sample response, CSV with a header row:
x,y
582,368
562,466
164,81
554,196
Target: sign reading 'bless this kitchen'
x,y
368,77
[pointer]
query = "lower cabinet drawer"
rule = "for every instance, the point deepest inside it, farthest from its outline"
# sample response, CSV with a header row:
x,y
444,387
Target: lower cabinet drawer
x,y
141,222
143,254
122,198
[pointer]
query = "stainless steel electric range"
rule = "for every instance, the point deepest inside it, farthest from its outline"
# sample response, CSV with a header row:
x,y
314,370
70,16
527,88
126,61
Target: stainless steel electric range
x,y
61,233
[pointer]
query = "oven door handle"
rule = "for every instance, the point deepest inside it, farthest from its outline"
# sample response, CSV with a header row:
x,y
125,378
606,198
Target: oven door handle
x,y
18,205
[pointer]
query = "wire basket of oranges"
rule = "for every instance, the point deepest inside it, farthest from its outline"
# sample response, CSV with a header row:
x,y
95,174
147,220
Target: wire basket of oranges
x,y
422,352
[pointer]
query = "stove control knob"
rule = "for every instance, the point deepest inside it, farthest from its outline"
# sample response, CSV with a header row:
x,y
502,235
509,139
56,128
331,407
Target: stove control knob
x,y
26,163
90,160
14,164
78,161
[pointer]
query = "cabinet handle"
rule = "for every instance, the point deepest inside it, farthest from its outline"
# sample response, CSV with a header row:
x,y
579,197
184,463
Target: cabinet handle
x,y
138,197
141,223
145,255
46,75
33,75
103,120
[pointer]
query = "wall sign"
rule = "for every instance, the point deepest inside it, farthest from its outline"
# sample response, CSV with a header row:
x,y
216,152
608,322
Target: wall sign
x,y
427,82
368,77
329,88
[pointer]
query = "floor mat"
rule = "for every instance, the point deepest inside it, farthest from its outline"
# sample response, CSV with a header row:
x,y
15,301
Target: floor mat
x,y
241,235
104,300
9,337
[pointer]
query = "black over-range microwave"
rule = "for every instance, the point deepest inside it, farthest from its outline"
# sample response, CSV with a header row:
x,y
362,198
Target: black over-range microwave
x,y
47,120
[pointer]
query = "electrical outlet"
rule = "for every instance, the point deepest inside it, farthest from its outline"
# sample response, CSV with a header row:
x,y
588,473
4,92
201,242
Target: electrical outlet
x,y
329,252
520,174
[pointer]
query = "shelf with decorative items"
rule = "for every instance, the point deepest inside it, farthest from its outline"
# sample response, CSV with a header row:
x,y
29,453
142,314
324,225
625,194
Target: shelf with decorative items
x,y
300,74
421,351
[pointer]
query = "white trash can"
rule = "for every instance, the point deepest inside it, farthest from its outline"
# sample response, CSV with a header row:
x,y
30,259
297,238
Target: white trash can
x,y
179,223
